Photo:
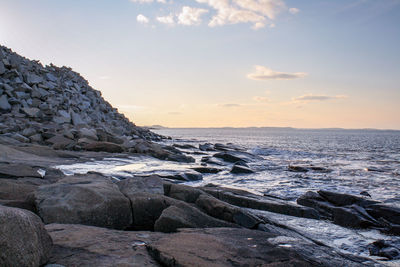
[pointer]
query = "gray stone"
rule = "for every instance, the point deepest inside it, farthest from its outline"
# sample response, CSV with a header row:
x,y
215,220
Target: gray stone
x,y
132,186
33,78
4,105
183,215
229,247
80,245
88,133
31,112
2,68
84,199
23,240
76,119
20,138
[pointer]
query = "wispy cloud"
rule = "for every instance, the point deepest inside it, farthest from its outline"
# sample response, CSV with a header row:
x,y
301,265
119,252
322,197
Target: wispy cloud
x,y
229,105
262,73
191,16
316,98
142,19
261,99
294,10
167,19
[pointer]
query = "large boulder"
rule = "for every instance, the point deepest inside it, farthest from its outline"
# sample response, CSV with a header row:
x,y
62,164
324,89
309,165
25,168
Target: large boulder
x,y
18,170
89,199
147,208
130,187
80,245
23,239
104,146
183,215
246,199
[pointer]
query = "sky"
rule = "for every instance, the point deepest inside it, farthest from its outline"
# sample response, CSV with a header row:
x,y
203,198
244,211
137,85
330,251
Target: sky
x,y
223,63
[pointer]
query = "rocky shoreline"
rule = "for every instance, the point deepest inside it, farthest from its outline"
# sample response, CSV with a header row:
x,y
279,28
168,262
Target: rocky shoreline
x,y
50,116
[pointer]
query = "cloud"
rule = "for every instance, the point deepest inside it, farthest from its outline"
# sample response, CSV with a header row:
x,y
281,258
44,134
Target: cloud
x,y
260,13
244,11
263,73
166,19
191,16
294,10
175,113
142,19
316,98
261,99
229,105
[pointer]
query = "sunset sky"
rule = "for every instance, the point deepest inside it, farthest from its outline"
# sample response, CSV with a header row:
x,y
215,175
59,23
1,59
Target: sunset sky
x,y
216,63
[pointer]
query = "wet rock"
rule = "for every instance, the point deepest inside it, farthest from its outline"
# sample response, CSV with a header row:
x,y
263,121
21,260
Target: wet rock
x,y
350,217
84,199
206,147
384,249
229,157
245,199
182,215
157,151
340,199
389,213
210,160
206,170
80,245
23,240
242,247
104,146
293,168
184,146
238,169
226,212
186,176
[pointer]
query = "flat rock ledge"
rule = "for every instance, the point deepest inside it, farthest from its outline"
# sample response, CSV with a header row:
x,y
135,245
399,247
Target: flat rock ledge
x,y
78,245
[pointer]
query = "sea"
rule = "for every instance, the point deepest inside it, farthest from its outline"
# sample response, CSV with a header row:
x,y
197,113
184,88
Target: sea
x,y
351,161
346,161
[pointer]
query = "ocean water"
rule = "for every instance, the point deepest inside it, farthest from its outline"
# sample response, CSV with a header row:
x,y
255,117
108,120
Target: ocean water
x,y
354,160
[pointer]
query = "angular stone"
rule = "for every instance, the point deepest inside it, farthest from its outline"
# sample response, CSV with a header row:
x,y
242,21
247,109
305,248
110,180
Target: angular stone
x,y
104,146
31,112
237,169
84,199
183,215
88,133
18,170
4,105
132,186
23,239
147,208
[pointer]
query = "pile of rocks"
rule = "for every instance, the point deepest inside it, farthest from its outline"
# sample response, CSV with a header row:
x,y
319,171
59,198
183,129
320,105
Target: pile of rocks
x,y
56,106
